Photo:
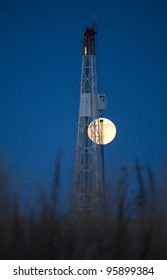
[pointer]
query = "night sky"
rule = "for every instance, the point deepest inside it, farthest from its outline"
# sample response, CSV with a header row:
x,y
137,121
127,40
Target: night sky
x,y
40,66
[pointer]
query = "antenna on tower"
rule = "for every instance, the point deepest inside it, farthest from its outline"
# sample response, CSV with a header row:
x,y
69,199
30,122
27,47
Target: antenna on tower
x,y
94,18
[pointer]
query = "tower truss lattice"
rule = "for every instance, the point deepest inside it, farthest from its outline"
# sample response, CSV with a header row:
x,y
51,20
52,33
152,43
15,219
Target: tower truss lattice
x,y
88,189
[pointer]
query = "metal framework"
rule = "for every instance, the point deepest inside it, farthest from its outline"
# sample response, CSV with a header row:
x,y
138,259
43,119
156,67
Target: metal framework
x,y
88,191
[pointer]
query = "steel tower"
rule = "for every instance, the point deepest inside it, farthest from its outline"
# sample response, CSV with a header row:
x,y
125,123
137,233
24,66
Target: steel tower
x,y
88,191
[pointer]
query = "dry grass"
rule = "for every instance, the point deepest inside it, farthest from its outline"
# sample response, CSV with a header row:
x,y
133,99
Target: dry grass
x,y
135,229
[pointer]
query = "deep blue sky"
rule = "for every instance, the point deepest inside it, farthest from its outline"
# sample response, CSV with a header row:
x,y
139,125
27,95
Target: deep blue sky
x,y
40,63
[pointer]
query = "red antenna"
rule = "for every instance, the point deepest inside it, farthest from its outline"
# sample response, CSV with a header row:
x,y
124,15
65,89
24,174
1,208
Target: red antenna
x,y
89,47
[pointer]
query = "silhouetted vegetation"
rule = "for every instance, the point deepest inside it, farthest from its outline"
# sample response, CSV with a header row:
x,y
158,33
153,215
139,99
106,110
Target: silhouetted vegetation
x,y
134,227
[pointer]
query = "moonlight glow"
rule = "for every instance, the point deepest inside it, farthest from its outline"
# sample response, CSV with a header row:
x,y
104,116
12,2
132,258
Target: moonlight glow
x,y
101,131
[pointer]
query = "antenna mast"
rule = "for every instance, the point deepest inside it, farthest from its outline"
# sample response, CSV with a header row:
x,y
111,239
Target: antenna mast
x,y
88,189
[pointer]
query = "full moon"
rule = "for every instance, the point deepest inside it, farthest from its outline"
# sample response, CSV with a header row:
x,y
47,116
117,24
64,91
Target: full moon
x,y
101,131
